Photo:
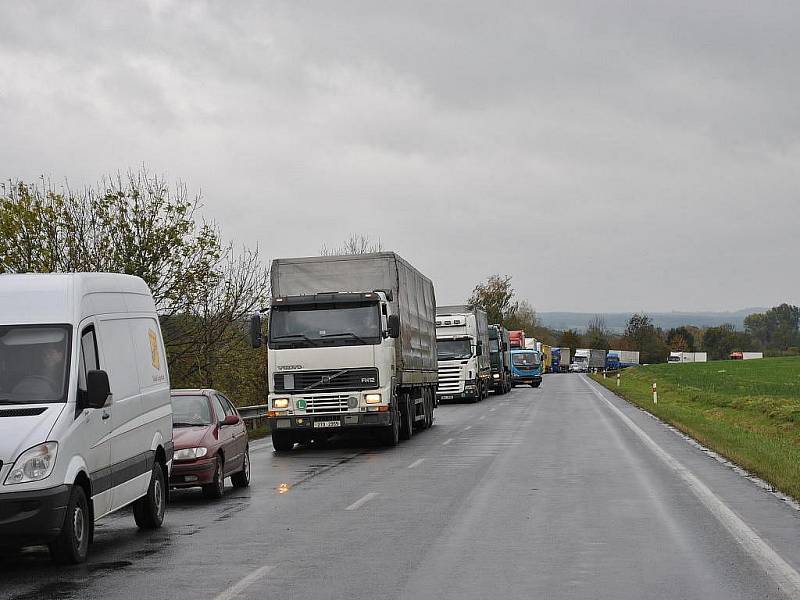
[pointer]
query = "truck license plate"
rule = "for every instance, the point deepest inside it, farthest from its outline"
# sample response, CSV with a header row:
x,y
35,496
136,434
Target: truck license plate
x,y
321,424
446,397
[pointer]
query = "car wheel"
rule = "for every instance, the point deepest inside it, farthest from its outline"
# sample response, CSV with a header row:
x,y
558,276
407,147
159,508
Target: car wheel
x,y
148,511
215,489
72,544
242,478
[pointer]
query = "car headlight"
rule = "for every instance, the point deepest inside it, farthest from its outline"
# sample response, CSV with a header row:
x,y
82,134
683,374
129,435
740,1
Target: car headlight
x,y
190,453
280,403
34,464
372,398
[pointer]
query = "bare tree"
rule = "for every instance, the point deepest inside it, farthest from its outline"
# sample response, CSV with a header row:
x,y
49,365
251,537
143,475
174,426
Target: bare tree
x,y
357,243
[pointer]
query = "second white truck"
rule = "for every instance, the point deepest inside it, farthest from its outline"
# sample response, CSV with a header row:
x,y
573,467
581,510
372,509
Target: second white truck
x,y
462,339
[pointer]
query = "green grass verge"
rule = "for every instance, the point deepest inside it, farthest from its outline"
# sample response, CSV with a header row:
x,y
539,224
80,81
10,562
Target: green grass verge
x,y
258,433
747,411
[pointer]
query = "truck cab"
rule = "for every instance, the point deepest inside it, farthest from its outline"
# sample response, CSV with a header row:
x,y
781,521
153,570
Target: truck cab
x,y
526,367
462,341
612,361
500,359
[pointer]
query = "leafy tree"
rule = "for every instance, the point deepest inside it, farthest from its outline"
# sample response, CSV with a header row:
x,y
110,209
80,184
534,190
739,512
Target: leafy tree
x,y
597,334
776,329
496,297
720,341
524,318
680,339
570,339
640,334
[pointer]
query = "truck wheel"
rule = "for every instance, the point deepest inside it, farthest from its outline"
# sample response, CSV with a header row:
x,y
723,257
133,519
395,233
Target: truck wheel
x,y
72,544
429,413
390,436
282,441
148,511
407,418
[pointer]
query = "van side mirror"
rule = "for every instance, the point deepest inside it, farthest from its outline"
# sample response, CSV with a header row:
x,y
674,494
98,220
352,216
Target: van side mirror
x,y
255,330
393,323
98,389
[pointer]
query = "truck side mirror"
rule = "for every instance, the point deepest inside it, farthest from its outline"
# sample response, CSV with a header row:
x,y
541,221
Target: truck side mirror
x,y
479,348
98,389
393,322
255,331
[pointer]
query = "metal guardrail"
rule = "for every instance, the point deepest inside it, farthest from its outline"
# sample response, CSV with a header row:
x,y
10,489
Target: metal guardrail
x,y
249,413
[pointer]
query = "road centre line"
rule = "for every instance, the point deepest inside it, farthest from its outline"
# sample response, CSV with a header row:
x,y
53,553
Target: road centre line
x,y
493,409
236,589
361,501
481,418
447,441
781,572
416,463
468,427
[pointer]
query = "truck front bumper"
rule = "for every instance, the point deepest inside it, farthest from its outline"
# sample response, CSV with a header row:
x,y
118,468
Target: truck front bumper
x,y
32,517
526,379
331,422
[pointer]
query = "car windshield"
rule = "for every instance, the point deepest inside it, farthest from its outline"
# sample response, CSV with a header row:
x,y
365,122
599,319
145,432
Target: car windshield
x,y
525,359
453,349
33,363
330,325
190,410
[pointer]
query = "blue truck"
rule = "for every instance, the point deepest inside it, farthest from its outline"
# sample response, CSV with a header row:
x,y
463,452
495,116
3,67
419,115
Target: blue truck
x,y
526,367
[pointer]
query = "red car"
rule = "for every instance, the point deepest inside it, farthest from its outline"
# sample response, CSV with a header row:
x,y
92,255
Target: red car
x,y
210,442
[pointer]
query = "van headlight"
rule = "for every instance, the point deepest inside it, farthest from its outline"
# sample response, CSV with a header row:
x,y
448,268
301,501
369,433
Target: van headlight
x,y
190,453
372,398
280,403
34,464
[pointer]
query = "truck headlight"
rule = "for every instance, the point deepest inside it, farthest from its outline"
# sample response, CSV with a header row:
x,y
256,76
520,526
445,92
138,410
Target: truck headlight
x,y
190,453
496,376
34,464
372,398
280,403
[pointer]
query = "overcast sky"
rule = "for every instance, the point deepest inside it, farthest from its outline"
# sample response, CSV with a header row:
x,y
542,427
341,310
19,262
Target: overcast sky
x,y
610,156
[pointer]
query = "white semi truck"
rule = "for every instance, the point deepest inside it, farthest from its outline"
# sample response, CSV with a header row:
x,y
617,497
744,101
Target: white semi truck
x,y
588,359
351,345
687,357
462,339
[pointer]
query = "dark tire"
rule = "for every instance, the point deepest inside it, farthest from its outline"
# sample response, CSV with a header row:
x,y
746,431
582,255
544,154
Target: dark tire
x,y
407,418
535,385
242,478
390,436
282,441
72,544
429,414
215,489
148,511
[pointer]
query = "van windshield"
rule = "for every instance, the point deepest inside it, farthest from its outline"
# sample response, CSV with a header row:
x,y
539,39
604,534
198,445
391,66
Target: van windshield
x,y
34,363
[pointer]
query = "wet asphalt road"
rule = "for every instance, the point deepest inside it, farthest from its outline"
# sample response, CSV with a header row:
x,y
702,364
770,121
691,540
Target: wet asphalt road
x,y
543,493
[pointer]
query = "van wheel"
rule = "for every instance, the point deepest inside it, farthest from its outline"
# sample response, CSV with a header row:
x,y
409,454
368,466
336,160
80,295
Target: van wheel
x,y
148,511
216,488
282,441
242,478
72,544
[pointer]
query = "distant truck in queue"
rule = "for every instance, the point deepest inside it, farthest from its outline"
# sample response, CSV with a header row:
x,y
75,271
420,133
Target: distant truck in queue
x,y
687,357
500,359
462,340
547,358
588,359
746,355
351,346
620,359
526,367
516,338
561,360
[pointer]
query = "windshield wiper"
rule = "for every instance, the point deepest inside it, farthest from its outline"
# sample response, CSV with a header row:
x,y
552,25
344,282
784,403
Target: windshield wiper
x,y
293,336
347,333
190,424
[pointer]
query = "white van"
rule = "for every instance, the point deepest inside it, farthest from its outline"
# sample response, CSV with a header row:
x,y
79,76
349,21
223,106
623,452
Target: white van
x,y
85,414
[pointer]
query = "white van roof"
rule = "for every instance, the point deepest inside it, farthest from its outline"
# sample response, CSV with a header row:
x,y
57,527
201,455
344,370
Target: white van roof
x,y
70,297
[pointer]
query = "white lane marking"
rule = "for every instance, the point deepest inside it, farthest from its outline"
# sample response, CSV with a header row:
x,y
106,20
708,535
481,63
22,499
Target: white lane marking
x,y
492,409
468,427
235,590
416,463
447,441
361,501
781,572
482,418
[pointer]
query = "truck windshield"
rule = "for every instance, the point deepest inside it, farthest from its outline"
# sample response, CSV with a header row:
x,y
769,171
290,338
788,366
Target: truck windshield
x,y
453,349
332,325
525,359
581,359
33,363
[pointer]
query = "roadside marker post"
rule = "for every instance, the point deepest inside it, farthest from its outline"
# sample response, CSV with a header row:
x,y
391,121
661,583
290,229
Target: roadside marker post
x,y
604,374
655,393
617,379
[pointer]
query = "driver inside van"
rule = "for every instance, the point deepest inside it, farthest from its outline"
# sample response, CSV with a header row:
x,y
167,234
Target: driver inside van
x,y
51,378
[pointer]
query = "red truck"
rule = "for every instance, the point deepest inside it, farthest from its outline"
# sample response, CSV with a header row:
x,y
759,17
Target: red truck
x,y
516,339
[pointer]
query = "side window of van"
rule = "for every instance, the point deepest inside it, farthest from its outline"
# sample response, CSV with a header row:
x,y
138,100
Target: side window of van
x,y
88,358
218,408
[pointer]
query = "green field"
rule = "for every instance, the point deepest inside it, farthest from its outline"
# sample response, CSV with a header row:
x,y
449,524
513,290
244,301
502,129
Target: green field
x,y
748,411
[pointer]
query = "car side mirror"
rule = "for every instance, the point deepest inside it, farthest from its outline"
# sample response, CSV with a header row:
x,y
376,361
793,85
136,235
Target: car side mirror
x,y
98,389
393,323
230,420
255,331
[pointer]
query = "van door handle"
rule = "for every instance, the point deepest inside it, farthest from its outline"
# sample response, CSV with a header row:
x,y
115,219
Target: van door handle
x,y
106,415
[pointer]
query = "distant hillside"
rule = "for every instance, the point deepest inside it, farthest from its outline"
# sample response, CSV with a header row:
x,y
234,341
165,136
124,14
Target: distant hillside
x,y
616,322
